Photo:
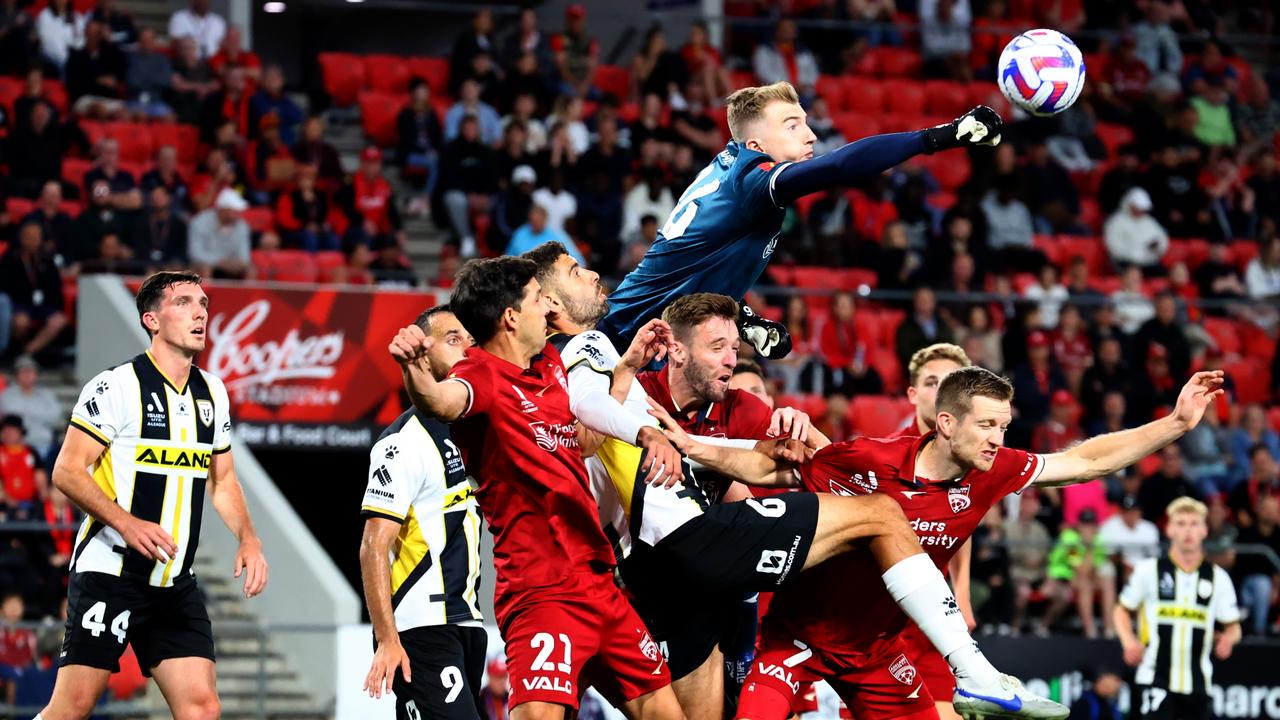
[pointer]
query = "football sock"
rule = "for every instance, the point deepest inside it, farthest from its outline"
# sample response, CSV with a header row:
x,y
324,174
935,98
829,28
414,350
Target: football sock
x,y
923,594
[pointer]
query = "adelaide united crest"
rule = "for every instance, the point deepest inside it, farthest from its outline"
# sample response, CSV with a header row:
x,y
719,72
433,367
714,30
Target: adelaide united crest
x,y
959,498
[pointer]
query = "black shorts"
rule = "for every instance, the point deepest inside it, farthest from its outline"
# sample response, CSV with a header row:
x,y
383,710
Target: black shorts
x,y
689,588
1155,703
104,612
447,663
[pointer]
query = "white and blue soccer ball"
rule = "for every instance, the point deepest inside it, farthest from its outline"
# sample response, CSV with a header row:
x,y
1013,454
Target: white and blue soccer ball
x,y
1041,71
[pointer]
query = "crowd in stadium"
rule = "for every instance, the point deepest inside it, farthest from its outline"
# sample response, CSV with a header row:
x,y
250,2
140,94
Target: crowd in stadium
x,y
1096,259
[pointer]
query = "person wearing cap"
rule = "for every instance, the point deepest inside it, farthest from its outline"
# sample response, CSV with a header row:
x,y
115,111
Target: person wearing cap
x,y
536,232
369,202
218,242
1060,430
22,471
493,698
35,404
1154,388
1036,380
576,54
1133,236
1079,563
511,208
1129,536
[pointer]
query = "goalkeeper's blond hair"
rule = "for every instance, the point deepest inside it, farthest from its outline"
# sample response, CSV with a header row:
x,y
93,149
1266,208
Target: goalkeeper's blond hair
x,y
747,105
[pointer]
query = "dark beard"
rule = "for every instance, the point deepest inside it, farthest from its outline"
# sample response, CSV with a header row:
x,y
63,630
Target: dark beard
x,y
704,384
585,314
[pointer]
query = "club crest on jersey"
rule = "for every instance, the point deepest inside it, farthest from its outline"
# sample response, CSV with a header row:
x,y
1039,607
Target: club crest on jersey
x,y
959,498
902,670
1166,584
648,647
205,409
543,437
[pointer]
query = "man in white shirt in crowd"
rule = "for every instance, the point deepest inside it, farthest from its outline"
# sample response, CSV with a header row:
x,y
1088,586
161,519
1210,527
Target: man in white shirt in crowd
x,y
36,405
201,23
218,240
1132,236
1129,535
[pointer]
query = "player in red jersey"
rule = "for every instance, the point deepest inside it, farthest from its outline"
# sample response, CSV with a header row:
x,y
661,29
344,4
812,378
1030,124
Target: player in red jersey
x,y
565,623
836,624
928,366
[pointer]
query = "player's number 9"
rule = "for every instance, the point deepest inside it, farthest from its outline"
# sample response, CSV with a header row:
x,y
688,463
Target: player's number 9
x,y
683,213
451,679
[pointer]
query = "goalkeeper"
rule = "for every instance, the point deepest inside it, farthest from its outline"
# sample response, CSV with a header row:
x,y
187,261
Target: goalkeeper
x,y
725,227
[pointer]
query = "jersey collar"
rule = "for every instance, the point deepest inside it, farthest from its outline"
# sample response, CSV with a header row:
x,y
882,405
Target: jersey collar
x,y
167,381
908,474
668,401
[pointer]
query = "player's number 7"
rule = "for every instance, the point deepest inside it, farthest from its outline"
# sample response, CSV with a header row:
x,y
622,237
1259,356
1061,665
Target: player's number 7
x,y
684,211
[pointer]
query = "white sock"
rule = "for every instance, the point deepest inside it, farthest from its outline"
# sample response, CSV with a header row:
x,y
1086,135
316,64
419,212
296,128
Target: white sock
x,y
923,594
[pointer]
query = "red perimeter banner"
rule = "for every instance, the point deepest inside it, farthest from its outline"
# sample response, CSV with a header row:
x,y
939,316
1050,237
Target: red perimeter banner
x,y
309,368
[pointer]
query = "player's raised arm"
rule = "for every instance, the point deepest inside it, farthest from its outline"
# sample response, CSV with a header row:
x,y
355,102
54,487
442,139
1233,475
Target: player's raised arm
x,y
1106,454
772,469
444,400
871,156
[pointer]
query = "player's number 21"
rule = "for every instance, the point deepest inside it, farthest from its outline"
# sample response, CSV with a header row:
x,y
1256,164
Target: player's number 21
x,y
685,210
545,645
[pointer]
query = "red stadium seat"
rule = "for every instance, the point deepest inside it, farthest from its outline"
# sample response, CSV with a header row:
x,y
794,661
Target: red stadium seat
x,y
944,97
1255,342
134,140
16,208
831,89
951,170
378,113
186,138
1113,136
328,264
1252,378
387,73
615,81
1224,333
866,66
852,279
855,126
741,78
1090,213
804,204
897,62
72,208
435,70
1090,248
1273,418
56,93
1048,244
74,169
1242,251
864,95
878,415
343,76
295,266
906,98
984,93
259,219
10,90
889,322
1192,251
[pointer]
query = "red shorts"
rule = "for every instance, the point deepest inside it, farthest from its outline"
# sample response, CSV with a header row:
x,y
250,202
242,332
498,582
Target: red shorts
x,y
806,700
931,666
583,633
878,685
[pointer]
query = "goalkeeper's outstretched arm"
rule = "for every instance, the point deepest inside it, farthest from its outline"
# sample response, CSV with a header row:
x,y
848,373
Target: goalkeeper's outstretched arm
x,y
871,156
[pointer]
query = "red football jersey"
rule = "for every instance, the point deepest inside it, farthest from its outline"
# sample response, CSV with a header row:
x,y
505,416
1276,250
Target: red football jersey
x,y
842,603
908,431
519,440
18,471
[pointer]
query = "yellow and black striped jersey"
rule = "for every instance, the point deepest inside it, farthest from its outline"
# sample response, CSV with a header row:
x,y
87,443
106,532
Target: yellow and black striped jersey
x,y
1179,609
417,478
160,441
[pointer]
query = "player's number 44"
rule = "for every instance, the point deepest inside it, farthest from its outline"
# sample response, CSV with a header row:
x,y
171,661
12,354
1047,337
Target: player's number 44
x,y
93,622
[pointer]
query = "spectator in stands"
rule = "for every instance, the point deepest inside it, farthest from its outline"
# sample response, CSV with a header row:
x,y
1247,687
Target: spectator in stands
x,y
192,80
528,40
835,422
467,182
55,224
598,222
22,470
1156,389
566,120
634,250
1181,205
469,104
218,243
100,218
493,697
576,55
1211,68
1252,431
944,39
1060,430
785,59
798,369
1157,44
313,149
1101,700
1262,481
232,54
477,41
1132,306
229,104
420,137
650,196
33,93
272,167
846,361
1051,196
607,157
656,68
525,78
1078,565
1112,415
148,79
1264,181
561,204
1079,290
390,266
1071,347
17,645
121,31
1010,229
1123,176
898,265
1125,78
200,23
1258,119
218,174
1167,484
1218,278
96,74
512,153
1036,380
703,63
511,206
19,45
1049,294
1166,330
35,404
162,239
1231,199
270,99
1253,571
1028,542
1213,117
370,203
125,195
1133,236
35,152
921,327
981,340
302,215
523,109
694,127
536,232
61,30
1129,536
992,589
1108,375
1207,453
166,174
1262,276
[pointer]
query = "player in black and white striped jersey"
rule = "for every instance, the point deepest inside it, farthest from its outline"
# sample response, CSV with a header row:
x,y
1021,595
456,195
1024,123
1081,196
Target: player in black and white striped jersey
x,y
1182,598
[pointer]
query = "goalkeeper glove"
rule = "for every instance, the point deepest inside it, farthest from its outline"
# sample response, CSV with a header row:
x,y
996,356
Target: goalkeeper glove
x,y
769,338
979,126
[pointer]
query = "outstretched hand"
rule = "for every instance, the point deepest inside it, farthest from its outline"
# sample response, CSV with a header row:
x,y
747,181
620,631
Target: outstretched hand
x,y
678,437
651,342
1196,396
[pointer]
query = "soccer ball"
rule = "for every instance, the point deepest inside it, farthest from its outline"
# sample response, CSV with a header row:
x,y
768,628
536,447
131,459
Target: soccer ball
x,y
1041,71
